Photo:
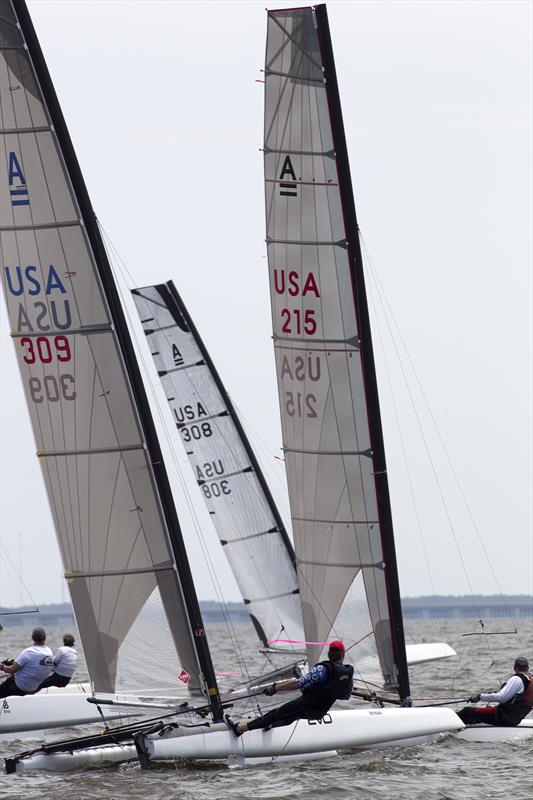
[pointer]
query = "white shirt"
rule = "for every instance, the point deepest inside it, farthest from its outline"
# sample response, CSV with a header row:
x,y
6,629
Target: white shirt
x,y
65,660
35,664
514,686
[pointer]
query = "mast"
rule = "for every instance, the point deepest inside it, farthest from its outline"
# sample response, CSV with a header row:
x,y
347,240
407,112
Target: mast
x,y
105,273
367,353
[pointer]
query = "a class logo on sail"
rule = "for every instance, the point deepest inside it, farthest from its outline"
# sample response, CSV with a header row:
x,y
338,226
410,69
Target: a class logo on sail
x,y
287,189
18,188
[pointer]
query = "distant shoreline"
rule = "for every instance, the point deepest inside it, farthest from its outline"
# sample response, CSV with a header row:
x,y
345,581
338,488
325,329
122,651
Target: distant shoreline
x,y
438,607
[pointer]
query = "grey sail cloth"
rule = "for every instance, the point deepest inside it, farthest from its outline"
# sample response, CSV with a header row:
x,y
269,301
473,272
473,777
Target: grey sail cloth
x,y
230,485
326,437
90,445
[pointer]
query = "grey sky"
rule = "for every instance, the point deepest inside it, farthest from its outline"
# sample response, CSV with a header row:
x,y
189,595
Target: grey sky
x,y
163,106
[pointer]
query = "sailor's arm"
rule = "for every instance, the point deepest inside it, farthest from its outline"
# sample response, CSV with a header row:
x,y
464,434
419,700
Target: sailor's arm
x,y
10,668
512,687
316,675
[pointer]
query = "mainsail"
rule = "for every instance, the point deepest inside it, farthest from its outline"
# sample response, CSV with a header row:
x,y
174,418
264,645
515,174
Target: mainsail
x,y
330,415
236,494
108,490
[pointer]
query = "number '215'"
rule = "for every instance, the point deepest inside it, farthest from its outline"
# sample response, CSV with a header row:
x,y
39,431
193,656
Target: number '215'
x,y
40,349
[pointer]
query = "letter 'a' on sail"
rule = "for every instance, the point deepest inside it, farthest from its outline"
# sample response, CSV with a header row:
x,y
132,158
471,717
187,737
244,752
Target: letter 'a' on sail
x,y
107,486
233,487
330,415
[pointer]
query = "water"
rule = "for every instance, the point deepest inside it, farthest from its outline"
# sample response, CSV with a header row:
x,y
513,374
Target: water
x,y
447,770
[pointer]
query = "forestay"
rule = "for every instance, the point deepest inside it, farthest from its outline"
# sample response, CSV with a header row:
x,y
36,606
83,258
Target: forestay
x,y
330,421
231,482
59,293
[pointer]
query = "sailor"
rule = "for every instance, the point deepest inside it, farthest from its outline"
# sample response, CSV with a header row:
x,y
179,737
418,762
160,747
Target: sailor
x,y
29,668
328,681
65,661
515,700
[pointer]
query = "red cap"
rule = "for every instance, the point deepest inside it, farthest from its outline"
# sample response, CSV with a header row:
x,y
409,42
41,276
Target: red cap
x,y
337,645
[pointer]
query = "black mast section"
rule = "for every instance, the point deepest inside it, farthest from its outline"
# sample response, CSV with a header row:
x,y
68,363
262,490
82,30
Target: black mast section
x,y
367,353
128,354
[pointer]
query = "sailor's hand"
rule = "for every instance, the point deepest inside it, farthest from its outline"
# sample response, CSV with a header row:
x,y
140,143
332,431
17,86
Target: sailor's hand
x,y
474,698
270,690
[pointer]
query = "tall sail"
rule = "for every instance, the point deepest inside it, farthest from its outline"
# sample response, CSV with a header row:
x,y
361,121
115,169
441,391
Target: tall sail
x,y
234,489
327,385
107,486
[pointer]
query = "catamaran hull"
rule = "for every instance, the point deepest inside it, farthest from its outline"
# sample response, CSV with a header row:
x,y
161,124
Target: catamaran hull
x,y
496,733
338,729
54,710
90,758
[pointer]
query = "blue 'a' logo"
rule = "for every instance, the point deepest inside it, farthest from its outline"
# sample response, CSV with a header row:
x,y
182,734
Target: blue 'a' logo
x,y
17,182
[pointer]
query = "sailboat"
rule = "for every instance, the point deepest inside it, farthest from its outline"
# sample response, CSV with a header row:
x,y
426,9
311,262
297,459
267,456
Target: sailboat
x,y
107,484
231,481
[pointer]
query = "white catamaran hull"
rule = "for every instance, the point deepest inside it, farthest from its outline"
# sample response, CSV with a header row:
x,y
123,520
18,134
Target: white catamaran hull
x,y
55,709
338,729
90,758
496,733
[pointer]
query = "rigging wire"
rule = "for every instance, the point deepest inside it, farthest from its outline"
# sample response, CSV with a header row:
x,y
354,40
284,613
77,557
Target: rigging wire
x,y
389,315
408,472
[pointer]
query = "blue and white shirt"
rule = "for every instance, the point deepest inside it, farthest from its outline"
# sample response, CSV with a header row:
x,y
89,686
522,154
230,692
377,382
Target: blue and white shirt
x,y
319,675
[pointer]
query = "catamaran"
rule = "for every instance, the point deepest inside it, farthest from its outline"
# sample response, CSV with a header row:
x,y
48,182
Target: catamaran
x,y
107,484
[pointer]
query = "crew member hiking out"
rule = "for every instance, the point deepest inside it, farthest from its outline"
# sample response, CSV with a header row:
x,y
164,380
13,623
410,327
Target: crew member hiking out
x,y
515,700
65,661
328,681
30,667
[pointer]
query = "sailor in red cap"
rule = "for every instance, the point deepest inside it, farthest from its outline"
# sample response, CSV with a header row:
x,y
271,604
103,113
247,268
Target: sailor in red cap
x,y
328,681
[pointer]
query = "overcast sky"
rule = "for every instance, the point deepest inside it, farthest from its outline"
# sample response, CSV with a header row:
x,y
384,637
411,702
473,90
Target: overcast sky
x,y
164,106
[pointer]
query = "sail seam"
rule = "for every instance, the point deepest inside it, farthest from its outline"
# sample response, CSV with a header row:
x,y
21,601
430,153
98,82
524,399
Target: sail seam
x,y
353,340
368,453
249,601
38,129
225,474
301,183
84,331
342,243
117,572
289,152
300,78
179,369
250,536
42,226
341,564
89,451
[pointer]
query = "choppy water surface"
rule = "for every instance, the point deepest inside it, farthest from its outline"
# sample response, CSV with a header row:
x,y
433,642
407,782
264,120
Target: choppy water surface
x,y
447,770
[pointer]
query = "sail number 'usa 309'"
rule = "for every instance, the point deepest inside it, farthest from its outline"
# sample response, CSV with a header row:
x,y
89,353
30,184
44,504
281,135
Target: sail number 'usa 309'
x,y
42,309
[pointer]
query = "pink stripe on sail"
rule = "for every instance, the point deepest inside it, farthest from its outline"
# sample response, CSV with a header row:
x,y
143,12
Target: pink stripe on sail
x,y
228,673
294,641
